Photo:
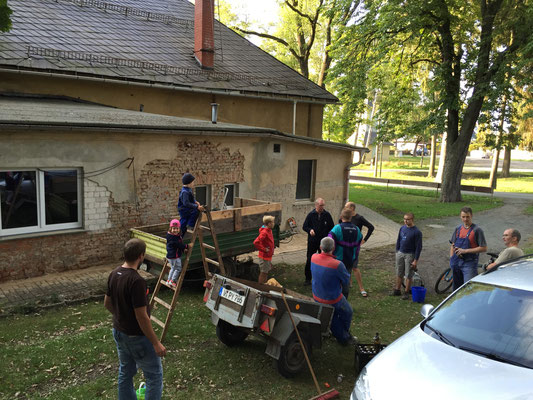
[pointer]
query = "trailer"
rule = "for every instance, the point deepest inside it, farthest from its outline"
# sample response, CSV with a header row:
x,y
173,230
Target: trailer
x,y
235,230
240,308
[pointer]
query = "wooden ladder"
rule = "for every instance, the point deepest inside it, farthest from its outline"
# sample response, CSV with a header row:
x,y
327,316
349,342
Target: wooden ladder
x,y
197,234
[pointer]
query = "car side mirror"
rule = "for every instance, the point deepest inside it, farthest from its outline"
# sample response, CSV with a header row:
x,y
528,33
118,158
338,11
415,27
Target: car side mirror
x,y
426,310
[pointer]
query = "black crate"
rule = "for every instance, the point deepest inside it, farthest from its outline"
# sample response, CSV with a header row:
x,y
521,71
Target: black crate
x,y
364,353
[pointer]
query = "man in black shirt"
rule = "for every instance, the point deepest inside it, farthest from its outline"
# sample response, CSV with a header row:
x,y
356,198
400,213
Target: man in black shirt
x,y
137,343
317,224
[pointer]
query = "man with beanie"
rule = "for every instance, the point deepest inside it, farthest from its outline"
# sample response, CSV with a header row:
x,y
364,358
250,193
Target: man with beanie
x,y
188,207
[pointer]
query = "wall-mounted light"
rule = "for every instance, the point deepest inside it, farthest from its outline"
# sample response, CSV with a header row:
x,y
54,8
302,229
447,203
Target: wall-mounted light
x,y
214,112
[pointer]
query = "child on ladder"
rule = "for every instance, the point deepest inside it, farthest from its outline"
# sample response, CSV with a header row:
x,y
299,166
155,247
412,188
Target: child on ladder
x,y
175,248
188,207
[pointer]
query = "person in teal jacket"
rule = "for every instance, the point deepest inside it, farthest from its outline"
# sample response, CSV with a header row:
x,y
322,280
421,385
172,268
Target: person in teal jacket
x,y
347,239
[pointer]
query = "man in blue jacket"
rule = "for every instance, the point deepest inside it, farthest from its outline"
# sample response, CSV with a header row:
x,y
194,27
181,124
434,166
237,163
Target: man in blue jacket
x,y
408,249
329,275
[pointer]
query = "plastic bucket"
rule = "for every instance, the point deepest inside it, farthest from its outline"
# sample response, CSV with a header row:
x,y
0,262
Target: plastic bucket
x,y
418,293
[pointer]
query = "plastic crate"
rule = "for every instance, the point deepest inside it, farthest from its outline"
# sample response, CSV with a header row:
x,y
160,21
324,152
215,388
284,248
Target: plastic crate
x,y
364,353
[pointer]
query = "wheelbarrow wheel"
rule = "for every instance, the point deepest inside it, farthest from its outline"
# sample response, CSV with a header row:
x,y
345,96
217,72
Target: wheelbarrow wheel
x,y
292,359
229,334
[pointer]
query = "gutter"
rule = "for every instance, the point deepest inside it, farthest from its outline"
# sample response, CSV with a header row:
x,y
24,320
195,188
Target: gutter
x,y
146,84
185,131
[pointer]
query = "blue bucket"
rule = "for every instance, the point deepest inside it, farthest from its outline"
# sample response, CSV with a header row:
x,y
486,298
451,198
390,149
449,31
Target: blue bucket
x,y
418,293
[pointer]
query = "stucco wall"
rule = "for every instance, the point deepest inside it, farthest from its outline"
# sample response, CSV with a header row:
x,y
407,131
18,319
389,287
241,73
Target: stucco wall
x,y
250,111
116,200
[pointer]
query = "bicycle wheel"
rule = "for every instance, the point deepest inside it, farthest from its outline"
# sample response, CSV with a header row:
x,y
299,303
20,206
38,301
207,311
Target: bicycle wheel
x,y
444,282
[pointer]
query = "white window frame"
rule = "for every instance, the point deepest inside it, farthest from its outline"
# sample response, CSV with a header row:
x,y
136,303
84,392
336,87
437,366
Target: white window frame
x,y
235,193
41,210
312,183
207,194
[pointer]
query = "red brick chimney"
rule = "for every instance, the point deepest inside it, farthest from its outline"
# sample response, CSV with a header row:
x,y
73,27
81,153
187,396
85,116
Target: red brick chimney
x,y
204,42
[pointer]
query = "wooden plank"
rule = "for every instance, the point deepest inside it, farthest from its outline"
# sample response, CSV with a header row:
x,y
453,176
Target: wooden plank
x,y
162,302
261,209
158,322
212,261
237,225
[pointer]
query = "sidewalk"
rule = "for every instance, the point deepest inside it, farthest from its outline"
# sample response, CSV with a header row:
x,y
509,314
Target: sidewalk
x,y
90,283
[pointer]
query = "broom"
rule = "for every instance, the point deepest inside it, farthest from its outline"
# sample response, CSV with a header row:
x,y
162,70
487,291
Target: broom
x,y
330,394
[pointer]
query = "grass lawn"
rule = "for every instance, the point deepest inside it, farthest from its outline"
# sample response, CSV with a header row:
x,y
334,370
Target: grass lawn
x,y
394,202
69,353
521,182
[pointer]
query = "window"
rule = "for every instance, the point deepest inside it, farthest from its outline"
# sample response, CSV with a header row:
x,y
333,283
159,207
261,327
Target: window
x,y
230,192
277,148
202,194
39,200
306,177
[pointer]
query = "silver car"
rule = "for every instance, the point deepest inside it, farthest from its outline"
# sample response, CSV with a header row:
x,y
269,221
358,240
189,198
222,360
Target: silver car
x,y
477,344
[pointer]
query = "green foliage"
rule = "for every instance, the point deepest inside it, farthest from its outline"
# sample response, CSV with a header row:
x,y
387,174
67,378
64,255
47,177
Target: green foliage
x,y
5,13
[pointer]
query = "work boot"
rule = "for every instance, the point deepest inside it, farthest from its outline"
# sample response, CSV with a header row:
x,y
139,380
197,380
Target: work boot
x,y
396,292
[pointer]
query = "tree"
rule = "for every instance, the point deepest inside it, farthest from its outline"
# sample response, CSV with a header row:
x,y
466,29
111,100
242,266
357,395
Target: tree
x,y
5,13
295,36
466,45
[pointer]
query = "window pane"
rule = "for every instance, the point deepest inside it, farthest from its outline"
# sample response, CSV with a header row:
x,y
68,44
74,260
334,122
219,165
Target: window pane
x,y
61,196
230,196
18,192
201,193
304,184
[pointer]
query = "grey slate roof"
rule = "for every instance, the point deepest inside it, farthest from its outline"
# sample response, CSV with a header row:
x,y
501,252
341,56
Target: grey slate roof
x,y
149,41
24,114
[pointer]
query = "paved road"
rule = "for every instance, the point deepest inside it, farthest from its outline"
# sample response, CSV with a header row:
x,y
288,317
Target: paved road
x,y
437,233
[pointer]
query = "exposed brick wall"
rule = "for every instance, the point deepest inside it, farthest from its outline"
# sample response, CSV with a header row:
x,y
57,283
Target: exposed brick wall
x,y
160,180
107,222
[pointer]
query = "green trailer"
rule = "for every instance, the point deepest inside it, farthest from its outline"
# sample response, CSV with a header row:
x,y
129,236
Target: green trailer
x,y
235,228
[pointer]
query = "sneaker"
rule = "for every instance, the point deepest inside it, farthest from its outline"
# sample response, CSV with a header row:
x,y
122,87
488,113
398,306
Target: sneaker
x,y
174,284
406,296
307,283
169,282
396,292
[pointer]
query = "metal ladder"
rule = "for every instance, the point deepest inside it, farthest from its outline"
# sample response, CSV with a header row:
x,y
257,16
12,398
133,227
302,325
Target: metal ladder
x,y
197,234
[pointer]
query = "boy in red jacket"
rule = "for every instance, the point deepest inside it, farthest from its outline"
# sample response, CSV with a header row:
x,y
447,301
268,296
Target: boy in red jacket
x,y
265,244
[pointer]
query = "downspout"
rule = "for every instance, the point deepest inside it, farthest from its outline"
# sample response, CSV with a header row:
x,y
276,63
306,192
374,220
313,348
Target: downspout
x,y
347,173
294,117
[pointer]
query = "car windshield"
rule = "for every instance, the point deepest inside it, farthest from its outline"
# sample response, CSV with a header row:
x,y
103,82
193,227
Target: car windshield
x,y
493,321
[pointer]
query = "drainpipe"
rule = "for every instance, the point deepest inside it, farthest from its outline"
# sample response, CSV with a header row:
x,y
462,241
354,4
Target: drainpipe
x,y
347,173
294,117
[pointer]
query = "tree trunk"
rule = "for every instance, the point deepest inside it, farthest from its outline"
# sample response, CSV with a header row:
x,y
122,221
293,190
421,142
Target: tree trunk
x,y
453,169
416,145
443,145
494,169
431,171
506,168
376,159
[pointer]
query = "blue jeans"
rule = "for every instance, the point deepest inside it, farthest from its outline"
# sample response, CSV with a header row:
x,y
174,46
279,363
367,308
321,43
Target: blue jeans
x,y
463,272
175,269
342,319
137,352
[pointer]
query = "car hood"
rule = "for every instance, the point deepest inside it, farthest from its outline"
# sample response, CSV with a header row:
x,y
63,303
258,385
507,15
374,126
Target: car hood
x,y
419,365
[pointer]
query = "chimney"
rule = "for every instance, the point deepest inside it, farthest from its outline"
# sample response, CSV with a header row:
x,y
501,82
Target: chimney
x,y
204,42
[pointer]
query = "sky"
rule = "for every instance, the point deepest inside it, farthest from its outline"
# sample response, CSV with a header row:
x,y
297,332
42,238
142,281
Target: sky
x,y
256,10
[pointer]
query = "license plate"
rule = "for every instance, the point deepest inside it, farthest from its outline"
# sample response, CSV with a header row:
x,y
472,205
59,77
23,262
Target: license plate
x,y
232,296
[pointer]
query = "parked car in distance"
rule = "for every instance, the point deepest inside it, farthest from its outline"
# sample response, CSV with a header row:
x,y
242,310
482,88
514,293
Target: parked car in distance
x,y
477,344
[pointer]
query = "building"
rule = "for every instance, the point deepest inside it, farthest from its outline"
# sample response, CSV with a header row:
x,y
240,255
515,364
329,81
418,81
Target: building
x,y
105,104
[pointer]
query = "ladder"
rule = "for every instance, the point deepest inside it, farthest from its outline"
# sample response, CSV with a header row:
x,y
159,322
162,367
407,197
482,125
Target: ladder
x,y
197,234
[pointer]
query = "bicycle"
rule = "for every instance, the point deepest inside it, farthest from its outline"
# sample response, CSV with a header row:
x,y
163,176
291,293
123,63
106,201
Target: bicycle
x,y
445,279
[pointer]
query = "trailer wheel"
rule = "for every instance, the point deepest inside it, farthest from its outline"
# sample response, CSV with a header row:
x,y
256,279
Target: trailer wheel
x,y
229,334
292,359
